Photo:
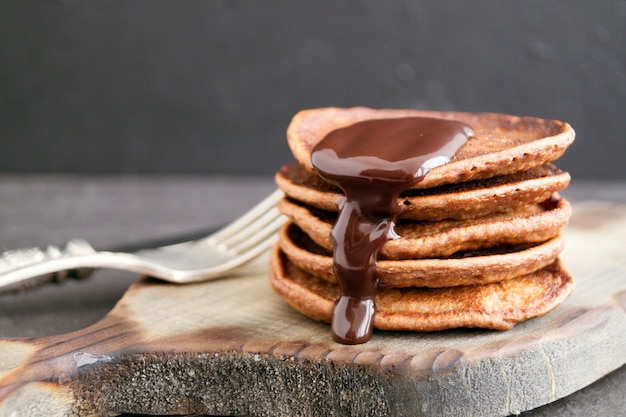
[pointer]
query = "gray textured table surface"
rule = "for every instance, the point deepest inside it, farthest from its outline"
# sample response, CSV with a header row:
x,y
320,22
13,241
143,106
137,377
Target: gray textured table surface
x,y
108,212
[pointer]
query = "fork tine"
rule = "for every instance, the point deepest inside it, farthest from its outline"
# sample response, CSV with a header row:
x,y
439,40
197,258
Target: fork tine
x,y
251,229
253,239
242,222
255,250
238,260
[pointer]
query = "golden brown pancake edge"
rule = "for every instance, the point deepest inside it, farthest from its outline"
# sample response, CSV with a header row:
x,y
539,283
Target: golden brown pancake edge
x,y
504,144
494,306
458,201
528,224
482,268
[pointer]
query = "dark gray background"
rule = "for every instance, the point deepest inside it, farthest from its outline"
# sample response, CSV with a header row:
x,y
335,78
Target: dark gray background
x,y
209,87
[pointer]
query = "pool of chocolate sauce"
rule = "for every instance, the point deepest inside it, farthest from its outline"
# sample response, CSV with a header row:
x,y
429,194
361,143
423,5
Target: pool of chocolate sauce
x,y
373,162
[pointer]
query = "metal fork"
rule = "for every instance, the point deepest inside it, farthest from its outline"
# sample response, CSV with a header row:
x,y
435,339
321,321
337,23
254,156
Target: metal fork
x,y
213,256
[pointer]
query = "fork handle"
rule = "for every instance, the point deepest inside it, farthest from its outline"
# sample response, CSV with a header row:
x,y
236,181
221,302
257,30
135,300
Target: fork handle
x,y
23,269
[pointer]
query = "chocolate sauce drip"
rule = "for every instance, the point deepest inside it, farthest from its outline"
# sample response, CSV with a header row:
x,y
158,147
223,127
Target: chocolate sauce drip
x,y
373,162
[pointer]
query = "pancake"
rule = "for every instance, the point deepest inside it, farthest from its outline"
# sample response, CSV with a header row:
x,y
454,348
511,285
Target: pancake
x,y
504,144
480,267
495,306
533,223
476,241
454,201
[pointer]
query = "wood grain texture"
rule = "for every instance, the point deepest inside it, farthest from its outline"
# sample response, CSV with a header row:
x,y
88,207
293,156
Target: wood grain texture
x,y
232,347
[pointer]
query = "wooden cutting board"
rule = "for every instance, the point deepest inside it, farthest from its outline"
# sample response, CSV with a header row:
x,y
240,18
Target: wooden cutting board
x,y
232,347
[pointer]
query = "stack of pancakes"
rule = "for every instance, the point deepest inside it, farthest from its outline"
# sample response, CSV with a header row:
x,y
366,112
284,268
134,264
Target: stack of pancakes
x,y
478,238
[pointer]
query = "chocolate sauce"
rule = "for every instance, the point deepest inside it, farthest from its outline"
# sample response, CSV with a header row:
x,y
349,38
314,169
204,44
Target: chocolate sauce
x,y
373,162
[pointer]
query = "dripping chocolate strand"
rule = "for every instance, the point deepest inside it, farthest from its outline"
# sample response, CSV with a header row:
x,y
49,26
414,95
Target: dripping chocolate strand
x,y
373,162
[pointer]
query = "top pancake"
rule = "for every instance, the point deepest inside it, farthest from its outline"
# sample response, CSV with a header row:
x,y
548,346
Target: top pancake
x,y
503,144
